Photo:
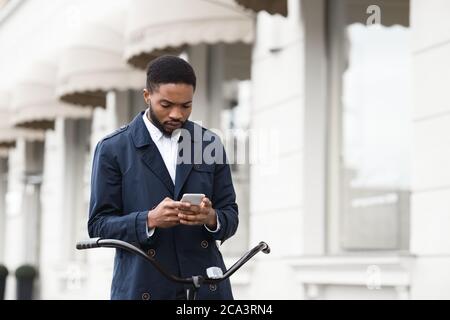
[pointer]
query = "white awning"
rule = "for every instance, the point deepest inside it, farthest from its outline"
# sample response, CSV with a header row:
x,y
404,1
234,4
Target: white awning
x,y
93,64
157,27
271,6
9,134
34,103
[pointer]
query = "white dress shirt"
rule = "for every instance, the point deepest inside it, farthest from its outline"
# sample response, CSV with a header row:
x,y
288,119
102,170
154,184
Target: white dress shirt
x,y
168,148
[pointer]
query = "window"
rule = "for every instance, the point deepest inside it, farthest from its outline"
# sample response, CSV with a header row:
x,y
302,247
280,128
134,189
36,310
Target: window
x,y
371,129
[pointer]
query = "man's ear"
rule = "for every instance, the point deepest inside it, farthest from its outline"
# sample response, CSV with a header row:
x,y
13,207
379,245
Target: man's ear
x,y
146,95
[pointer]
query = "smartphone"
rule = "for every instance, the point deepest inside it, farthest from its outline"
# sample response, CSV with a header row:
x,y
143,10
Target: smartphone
x,y
193,198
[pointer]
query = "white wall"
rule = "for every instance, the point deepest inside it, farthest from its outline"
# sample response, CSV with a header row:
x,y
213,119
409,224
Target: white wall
x,y
430,220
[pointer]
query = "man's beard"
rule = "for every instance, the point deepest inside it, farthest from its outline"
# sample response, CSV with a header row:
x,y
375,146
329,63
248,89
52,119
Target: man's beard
x,y
158,124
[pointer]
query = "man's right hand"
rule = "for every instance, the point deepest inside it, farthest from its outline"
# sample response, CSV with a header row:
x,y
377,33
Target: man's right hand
x,y
165,215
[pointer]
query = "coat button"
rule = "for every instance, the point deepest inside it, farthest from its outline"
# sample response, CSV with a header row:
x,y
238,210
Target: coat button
x,y
151,253
204,244
145,296
213,287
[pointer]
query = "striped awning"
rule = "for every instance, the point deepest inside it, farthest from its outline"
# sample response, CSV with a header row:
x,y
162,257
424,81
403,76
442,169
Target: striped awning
x,y
8,133
93,64
271,6
159,27
34,102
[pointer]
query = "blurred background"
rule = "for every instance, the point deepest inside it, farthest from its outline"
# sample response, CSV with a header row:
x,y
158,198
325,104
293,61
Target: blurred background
x,y
346,101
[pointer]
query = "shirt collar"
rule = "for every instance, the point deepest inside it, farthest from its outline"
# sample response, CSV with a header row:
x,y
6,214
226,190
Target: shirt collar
x,y
155,133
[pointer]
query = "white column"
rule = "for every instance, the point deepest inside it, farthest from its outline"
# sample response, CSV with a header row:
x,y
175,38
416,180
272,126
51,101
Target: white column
x,y
34,158
75,204
15,219
277,127
23,209
216,79
316,127
198,58
54,218
276,174
3,190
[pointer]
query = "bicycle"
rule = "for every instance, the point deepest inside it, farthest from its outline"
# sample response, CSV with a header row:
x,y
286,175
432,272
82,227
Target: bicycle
x,y
214,274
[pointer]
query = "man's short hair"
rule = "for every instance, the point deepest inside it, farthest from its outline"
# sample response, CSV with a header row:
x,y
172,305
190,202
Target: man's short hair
x,y
169,69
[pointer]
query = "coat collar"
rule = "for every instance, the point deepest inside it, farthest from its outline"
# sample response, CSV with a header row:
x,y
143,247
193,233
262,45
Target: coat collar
x,y
151,156
141,136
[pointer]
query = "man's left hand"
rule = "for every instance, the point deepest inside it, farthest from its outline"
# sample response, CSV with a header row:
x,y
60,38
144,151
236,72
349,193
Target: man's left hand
x,y
199,214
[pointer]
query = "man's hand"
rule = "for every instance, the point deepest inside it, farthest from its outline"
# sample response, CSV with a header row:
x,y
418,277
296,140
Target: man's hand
x,y
198,215
165,215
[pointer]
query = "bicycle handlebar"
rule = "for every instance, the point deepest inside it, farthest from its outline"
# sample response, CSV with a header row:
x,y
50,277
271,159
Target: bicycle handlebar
x,y
88,244
195,280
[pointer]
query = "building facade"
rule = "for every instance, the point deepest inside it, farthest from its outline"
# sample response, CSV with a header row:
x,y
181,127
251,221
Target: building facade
x,y
333,113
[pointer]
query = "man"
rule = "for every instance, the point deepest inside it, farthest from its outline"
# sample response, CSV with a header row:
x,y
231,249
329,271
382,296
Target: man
x,y
141,171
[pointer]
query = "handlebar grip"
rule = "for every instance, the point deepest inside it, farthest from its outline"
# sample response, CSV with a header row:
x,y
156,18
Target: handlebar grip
x,y
266,248
88,244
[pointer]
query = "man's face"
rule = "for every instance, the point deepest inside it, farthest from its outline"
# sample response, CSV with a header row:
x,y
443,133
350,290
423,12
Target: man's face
x,y
170,105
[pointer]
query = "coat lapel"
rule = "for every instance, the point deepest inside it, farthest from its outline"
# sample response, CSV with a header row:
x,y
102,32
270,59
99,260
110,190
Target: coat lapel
x,y
183,170
154,161
148,151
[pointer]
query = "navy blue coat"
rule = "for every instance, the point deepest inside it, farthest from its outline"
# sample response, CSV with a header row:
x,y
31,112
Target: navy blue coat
x,y
129,178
